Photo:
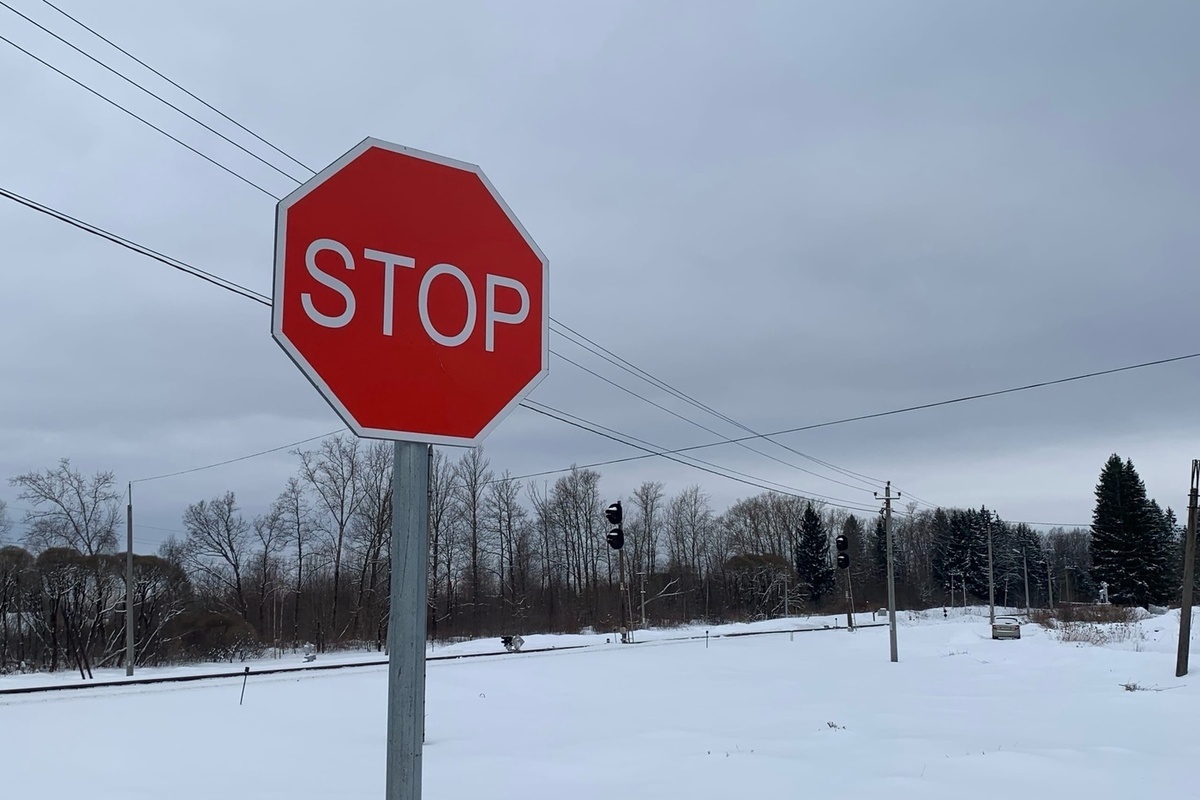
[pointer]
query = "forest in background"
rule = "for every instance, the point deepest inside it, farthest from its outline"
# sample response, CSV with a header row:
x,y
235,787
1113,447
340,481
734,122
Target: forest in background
x,y
510,557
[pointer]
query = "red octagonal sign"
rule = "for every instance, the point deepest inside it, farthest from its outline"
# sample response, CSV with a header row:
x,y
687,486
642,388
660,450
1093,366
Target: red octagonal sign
x,y
409,294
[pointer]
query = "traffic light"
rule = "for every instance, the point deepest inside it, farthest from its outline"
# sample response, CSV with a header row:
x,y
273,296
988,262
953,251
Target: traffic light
x,y
616,537
842,544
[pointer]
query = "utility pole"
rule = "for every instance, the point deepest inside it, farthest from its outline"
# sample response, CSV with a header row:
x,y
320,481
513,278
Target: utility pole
x,y
991,574
626,622
786,598
891,573
1025,560
849,599
129,583
1189,575
1049,583
642,575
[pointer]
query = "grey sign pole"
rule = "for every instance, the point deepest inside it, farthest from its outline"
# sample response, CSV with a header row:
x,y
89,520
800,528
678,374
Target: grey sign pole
x,y
129,620
406,620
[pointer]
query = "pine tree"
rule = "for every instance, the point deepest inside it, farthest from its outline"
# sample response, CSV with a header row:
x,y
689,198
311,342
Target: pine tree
x,y
1168,542
1130,547
1180,554
855,535
968,548
812,556
942,565
879,549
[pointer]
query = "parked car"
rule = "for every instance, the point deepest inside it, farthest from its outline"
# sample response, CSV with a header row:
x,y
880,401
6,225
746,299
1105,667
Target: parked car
x,y
1006,628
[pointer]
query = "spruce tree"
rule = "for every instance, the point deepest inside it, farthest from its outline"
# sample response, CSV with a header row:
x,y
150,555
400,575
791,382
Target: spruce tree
x,y
1169,539
855,535
812,556
1130,549
942,561
879,549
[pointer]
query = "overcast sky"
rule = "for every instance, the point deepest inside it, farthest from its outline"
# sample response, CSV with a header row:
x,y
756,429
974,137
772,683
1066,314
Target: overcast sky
x,y
794,212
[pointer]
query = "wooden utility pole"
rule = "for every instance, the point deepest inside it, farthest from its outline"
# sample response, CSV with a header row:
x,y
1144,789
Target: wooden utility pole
x,y
642,575
1025,561
991,574
1189,575
849,598
626,620
1049,583
787,610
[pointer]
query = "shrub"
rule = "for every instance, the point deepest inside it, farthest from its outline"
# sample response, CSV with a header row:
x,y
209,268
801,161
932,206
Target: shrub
x,y
212,636
1080,612
1092,624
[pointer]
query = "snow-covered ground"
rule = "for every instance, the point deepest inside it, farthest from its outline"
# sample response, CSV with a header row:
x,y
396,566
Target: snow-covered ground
x,y
819,714
295,659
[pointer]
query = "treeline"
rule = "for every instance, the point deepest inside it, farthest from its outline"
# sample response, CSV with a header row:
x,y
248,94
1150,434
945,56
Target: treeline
x,y
510,557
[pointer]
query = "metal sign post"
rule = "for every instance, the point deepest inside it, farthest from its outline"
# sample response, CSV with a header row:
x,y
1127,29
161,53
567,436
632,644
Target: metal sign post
x,y
406,620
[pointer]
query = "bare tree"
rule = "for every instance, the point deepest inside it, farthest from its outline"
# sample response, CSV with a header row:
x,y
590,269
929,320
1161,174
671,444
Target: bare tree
x,y
689,525
443,539
471,476
5,522
332,472
509,521
295,515
218,545
69,510
270,537
576,512
15,575
647,524
552,565
370,536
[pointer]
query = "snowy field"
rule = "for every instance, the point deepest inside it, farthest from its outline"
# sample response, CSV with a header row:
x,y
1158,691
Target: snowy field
x,y
819,714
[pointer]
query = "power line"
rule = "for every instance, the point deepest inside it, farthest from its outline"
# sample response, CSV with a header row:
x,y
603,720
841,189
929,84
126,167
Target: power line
x,y
141,119
879,414
229,285
259,298
262,299
138,86
580,340
142,250
249,294
210,107
595,348
630,367
593,427
699,425
667,455
239,458
614,359
241,291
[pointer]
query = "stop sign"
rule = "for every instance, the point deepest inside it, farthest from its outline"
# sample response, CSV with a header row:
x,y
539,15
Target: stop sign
x,y
409,294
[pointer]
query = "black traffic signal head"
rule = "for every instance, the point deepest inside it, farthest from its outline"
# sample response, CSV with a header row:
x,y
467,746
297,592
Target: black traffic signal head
x,y
843,560
841,542
616,537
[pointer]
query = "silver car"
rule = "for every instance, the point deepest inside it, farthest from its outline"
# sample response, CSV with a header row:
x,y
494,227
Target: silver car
x,y
1006,628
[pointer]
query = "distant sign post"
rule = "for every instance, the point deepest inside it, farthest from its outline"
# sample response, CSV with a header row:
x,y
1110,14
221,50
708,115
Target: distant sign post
x,y
412,298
